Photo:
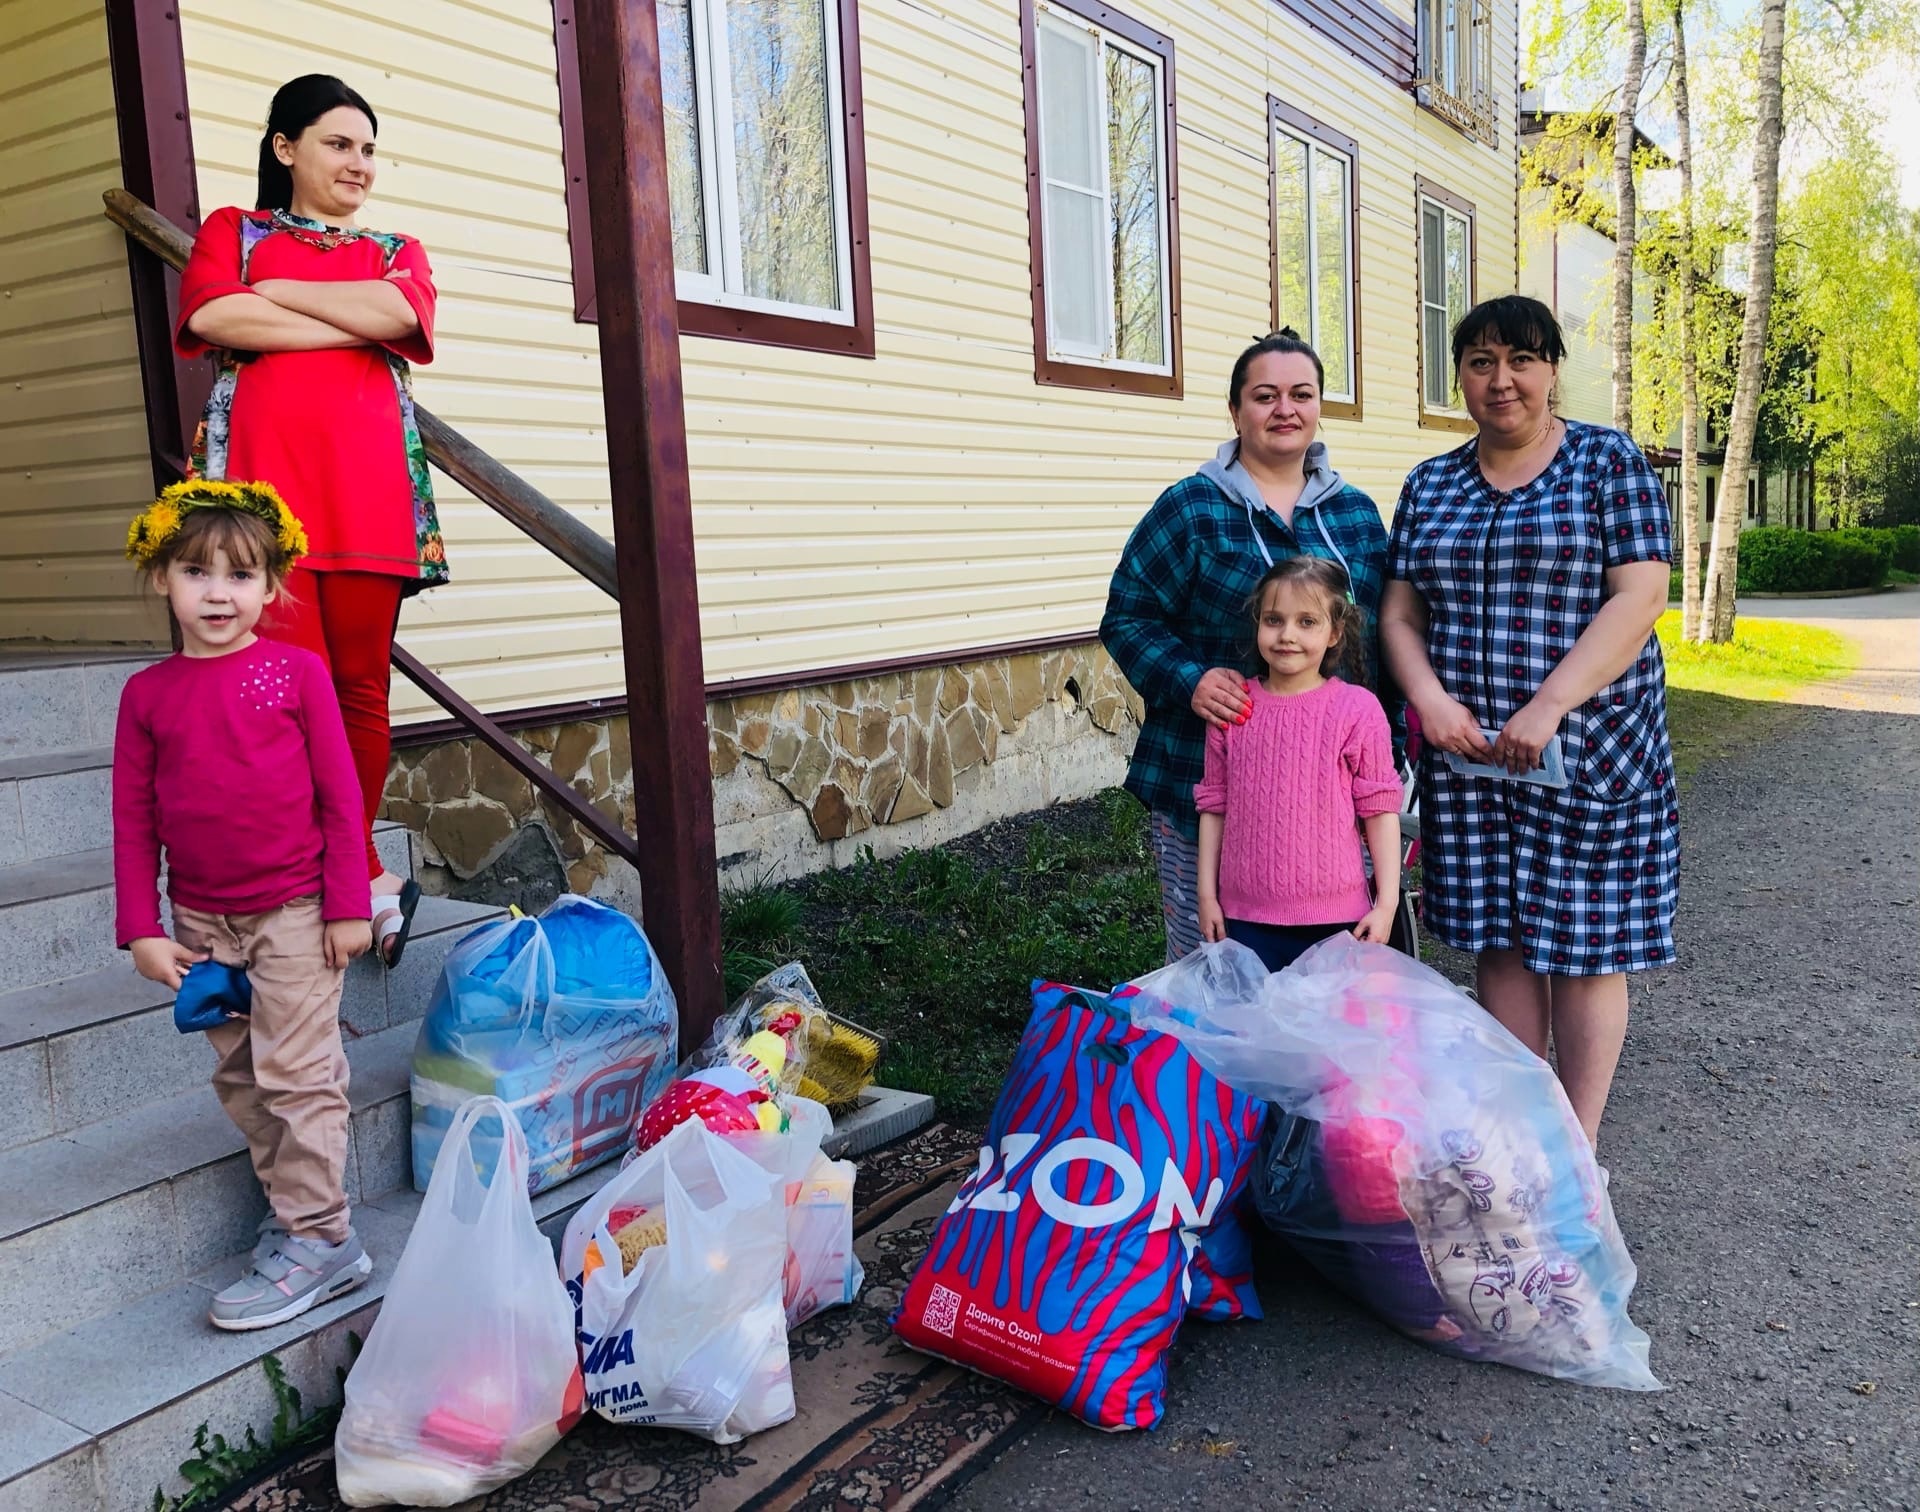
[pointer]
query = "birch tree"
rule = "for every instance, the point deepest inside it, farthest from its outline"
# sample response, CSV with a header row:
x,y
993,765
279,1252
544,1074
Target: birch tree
x,y
1626,207
1687,521
1717,607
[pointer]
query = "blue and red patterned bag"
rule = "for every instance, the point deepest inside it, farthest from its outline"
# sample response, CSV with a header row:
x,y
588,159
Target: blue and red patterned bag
x,y
1065,1263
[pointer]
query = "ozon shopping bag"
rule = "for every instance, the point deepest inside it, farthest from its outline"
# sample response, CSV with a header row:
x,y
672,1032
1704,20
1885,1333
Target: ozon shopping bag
x,y
1064,1264
676,1268
470,1374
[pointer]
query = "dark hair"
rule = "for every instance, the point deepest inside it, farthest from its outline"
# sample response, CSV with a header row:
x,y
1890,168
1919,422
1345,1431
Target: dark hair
x,y
1515,321
1286,339
297,104
1346,657
247,540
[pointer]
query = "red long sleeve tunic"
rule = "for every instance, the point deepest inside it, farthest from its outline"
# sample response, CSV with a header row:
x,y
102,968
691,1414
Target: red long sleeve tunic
x,y
324,428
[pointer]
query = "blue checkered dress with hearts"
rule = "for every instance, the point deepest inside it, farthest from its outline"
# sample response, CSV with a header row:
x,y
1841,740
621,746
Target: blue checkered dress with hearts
x,y
1581,881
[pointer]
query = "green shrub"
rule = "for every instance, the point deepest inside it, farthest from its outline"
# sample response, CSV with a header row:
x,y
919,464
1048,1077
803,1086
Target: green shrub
x,y
1776,559
1906,547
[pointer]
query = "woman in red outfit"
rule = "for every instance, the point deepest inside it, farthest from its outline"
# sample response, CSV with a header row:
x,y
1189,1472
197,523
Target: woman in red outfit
x,y
313,322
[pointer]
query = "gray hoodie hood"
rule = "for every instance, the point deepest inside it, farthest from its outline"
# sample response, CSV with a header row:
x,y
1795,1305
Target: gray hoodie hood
x,y
1226,473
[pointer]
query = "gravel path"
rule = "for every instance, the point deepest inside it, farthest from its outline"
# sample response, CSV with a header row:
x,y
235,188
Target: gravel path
x,y
1762,1140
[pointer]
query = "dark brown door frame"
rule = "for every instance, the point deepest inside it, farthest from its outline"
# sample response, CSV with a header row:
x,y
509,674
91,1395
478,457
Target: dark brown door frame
x,y
157,164
646,431
652,500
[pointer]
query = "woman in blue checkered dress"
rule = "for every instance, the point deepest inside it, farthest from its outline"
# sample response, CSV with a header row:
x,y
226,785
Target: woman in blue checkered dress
x,y
1528,569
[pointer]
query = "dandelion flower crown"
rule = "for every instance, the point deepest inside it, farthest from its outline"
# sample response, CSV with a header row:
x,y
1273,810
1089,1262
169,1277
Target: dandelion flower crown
x,y
154,528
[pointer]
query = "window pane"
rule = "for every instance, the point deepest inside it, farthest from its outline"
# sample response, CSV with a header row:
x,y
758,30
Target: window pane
x,y
1069,108
1133,161
1330,273
1456,269
1439,378
1077,311
1432,255
783,154
1450,53
679,97
1290,275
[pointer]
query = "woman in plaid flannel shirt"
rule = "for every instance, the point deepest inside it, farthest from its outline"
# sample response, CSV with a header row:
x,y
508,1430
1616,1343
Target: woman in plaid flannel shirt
x,y
1529,567
1176,620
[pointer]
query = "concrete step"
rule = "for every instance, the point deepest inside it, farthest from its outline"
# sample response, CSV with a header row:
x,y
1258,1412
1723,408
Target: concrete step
x,y
93,1418
56,912
60,700
94,1046
55,803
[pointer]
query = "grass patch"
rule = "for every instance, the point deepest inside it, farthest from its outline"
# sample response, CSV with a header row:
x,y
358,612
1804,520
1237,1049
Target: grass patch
x,y
1765,661
1901,575
1720,696
937,948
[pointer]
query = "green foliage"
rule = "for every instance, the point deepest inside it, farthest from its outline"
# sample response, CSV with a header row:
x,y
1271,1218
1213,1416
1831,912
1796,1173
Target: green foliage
x,y
217,1466
1775,559
1906,547
937,949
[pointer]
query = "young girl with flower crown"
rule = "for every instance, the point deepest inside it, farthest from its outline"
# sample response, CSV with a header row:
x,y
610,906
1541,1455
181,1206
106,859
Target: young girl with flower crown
x,y
232,760
1289,786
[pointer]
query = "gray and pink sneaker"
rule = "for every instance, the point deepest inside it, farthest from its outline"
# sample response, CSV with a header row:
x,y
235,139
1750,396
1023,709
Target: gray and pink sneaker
x,y
287,1278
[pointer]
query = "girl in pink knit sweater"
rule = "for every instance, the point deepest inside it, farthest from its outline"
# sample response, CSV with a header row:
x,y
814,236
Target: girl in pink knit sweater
x,y
1287,790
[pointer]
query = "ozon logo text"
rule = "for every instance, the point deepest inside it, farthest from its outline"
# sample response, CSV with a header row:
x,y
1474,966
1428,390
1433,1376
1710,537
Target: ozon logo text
x,y
1173,1204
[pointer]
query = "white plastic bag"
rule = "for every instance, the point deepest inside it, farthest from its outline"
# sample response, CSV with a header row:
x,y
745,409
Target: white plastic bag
x,y
695,1335
1427,1161
470,1373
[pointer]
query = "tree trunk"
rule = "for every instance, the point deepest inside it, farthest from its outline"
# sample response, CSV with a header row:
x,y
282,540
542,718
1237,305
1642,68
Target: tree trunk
x,y
1626,217
1688,524
1723,571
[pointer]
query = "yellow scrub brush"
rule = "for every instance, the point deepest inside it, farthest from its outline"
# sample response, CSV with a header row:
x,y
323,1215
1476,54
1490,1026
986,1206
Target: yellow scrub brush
x,y
840,1062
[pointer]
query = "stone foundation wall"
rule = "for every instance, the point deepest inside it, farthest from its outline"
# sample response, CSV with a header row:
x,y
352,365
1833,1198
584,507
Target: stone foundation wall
x,y
803,778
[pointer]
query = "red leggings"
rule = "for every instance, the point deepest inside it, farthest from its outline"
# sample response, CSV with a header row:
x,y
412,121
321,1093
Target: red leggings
x,y
346,619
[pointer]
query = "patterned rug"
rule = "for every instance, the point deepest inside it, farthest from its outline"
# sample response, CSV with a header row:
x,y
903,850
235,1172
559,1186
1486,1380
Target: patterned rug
x,y
879,1427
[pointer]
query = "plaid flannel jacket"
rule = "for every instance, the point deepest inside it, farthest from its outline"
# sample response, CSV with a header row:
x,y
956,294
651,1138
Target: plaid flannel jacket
x,y
1178,606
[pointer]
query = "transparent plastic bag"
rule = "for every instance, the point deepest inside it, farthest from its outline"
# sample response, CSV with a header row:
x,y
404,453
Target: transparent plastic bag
x,y
822,1270
568,1018
689,1332
1427,1161
470,1373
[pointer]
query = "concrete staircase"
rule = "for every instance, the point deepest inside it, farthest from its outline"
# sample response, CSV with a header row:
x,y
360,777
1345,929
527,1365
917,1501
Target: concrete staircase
x,y
126,1198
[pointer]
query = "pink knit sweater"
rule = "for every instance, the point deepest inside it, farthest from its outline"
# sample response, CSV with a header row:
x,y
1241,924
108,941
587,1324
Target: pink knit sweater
x,y
1291,782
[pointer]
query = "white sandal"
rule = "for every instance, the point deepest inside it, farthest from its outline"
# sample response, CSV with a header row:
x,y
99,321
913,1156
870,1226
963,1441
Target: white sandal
x,y
393,921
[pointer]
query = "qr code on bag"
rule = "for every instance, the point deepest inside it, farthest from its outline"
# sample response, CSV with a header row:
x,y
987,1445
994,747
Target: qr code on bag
x,y
943,1311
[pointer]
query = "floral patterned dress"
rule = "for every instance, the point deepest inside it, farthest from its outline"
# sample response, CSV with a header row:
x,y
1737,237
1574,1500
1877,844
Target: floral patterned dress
x,y
333,431
1582,880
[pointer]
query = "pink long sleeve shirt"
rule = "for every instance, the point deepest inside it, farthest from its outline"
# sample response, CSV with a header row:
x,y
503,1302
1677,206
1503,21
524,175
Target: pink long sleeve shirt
x,y
237,766
1291,782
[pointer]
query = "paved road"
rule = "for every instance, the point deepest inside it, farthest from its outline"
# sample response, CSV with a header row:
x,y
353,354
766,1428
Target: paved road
x,y
1763,1146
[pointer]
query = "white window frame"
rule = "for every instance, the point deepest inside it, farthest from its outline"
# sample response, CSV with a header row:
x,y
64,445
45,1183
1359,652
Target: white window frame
x,y
720,184
1424,201
1317,148
1456,64
1073,352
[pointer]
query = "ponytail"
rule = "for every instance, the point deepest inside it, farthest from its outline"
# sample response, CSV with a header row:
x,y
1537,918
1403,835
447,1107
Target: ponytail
x,y
297,104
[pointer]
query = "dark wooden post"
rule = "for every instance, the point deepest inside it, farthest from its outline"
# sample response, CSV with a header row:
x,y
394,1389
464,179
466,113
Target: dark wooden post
x,y
619,49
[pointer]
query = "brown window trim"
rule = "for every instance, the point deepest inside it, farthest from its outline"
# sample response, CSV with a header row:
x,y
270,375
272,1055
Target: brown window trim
x,y
726,322
1426,188
1279,114
1363,29
1058,372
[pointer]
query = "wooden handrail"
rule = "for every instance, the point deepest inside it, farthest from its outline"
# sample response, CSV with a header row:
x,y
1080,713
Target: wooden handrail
x,y
511,497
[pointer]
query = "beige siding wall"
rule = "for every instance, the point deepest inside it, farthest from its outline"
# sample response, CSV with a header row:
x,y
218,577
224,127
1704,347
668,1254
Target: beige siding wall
x,y
927,501
73,432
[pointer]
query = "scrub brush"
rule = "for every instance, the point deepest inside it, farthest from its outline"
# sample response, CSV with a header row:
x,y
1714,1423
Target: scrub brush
x,y
840,1061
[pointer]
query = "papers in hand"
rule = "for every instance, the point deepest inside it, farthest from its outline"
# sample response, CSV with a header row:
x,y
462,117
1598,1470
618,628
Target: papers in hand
x,y
1551,773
